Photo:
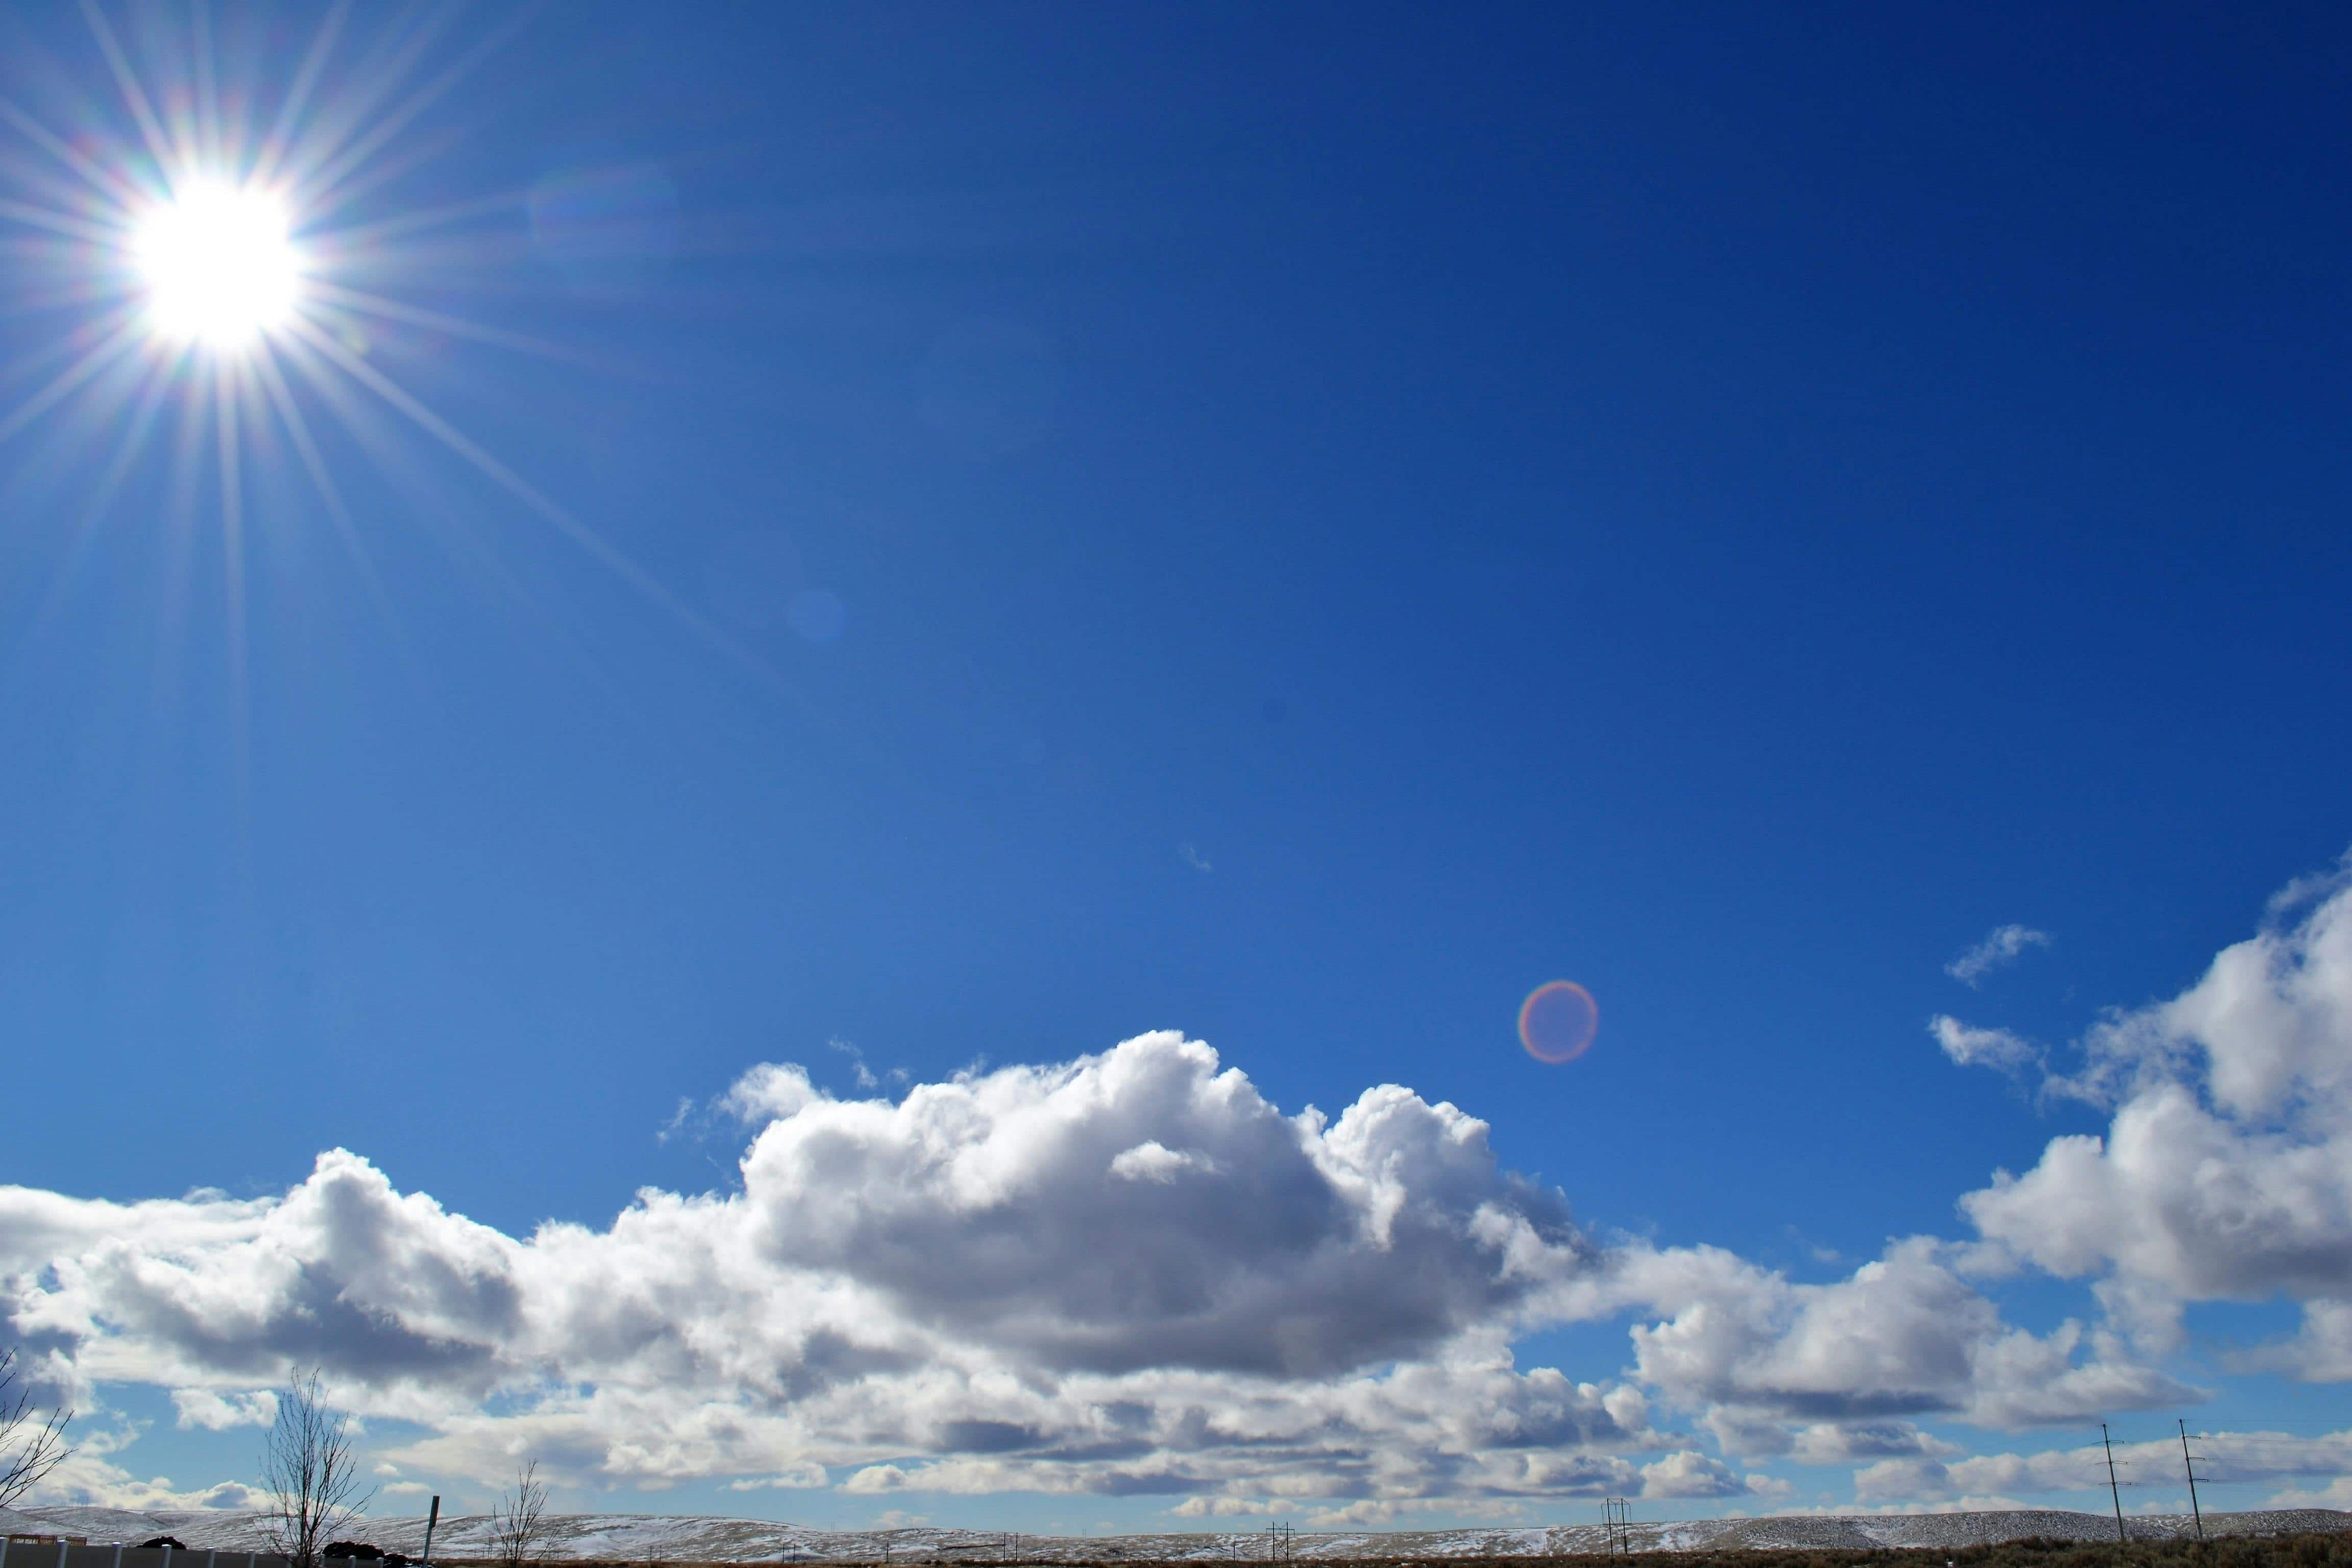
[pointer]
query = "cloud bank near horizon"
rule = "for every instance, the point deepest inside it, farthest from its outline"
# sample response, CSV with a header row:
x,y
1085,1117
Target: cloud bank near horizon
x,y
1130,1274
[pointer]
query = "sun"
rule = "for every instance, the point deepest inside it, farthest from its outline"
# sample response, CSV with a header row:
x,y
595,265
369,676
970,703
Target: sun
x,y
219,263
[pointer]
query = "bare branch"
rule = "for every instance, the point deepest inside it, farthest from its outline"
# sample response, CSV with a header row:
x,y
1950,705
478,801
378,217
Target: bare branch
x,y
519,1529
31,1445
312,1476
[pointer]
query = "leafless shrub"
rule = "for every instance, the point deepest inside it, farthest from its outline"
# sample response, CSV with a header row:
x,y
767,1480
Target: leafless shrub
x,y
519,1529
31,1445
311,1474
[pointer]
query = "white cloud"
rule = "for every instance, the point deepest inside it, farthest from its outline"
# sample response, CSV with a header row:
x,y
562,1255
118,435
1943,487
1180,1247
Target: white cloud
x,y
216,1412
1687,1473
1151,1162
2226,1171
770,1092
1905,1335
875,1480
797,1477
1131,1274
2320,1353
947,1288
2232,1459
1971,1048
862,1074
2001,947
91,1477
1836,1443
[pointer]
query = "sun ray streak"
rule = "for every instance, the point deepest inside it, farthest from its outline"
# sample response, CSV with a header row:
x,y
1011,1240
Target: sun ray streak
x,y
387,167
146,404
126,197
65,223
232,501
274,146
79,292
207,132
179,544
319,187
358,236
456,326
120,341
298,433
368,423
587,539
369,84
133,95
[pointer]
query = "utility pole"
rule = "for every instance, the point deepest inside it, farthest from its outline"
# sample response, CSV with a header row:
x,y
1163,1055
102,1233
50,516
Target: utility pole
x,y
430,1521
1617,1514
2112,1490
2189,1463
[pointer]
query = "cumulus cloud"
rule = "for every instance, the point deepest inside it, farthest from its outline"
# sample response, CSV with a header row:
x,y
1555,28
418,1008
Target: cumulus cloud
x,y
1835,1443
2225,1458
2001,947
2226,1170
1131,1274
1904,1336
1687,1473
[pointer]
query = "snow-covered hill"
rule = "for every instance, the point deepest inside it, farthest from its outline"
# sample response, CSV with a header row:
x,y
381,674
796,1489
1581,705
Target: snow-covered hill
x,y
680,1538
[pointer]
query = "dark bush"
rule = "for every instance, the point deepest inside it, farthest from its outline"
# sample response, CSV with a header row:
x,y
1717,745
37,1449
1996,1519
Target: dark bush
x,y
174,1541
359,1551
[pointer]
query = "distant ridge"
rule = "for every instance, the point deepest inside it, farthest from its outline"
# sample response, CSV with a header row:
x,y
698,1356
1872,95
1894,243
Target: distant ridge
x,y
701,1537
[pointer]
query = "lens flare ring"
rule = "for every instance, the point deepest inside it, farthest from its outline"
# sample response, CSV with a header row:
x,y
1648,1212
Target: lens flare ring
x,y
1558,1021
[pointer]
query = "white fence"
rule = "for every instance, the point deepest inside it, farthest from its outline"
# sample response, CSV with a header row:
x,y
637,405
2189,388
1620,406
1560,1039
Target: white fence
x,y
22,1553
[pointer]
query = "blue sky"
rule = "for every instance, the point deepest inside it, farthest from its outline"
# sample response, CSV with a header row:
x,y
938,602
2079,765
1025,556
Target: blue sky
x,y
1289,527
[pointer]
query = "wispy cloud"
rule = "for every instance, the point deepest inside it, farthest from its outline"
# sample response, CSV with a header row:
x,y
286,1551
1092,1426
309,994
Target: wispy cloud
x,y
2000,948
1974,1048
865,1075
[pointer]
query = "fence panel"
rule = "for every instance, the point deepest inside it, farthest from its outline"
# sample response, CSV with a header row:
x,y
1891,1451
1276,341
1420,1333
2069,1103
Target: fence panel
x,y
64,1554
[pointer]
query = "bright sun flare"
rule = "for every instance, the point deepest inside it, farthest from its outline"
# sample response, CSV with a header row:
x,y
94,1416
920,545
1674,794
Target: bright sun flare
x,y
220,264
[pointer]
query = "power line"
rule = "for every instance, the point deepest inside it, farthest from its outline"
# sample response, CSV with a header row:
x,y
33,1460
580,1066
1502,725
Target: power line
x,y
2112,1490
1617,1518
2189,1463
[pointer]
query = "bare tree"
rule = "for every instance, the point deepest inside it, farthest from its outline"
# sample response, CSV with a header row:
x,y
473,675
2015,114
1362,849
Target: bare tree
x,y
519,1529
31,1445
312,1476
